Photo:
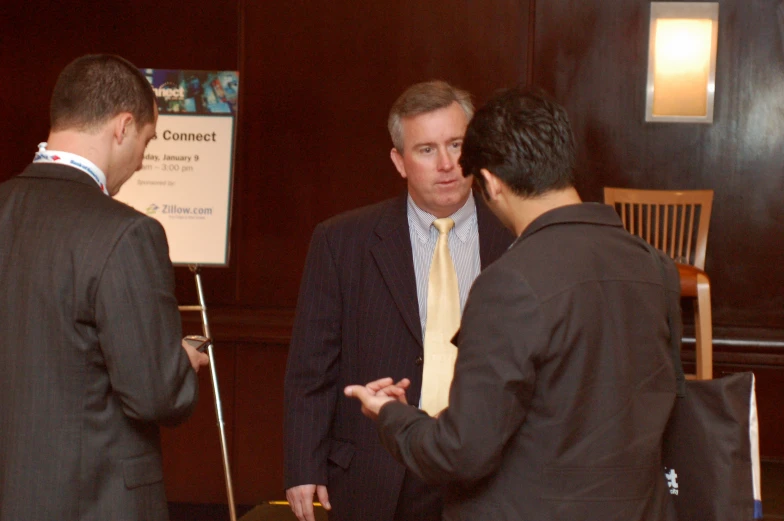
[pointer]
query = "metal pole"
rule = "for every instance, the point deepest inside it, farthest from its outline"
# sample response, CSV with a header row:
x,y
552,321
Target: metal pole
x,y
218,408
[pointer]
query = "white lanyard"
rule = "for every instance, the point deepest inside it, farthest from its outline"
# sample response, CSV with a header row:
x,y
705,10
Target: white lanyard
x,y
78,162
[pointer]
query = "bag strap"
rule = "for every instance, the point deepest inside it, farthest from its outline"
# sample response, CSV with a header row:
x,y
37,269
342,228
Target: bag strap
x,y
680,378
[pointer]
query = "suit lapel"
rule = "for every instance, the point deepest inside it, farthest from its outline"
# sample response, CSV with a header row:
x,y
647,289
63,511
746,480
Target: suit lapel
x,y
396,264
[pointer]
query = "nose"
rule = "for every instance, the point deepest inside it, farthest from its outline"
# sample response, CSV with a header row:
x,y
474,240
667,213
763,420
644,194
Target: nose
x,y
445,160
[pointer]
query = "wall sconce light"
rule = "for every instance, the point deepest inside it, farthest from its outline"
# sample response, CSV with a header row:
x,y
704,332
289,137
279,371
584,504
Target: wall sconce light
x,y
682,62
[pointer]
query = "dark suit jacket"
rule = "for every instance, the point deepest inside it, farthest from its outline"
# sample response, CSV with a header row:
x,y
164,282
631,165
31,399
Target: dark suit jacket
x,y
357,320
563,382
89,352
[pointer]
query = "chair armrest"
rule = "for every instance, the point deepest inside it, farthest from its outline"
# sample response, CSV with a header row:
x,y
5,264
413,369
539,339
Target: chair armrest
x,y
690,276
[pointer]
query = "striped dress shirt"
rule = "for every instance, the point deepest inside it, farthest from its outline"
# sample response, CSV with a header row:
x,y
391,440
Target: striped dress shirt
x,y
463,248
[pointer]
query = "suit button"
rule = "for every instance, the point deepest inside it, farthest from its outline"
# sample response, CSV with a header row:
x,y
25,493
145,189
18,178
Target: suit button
x,y
419,361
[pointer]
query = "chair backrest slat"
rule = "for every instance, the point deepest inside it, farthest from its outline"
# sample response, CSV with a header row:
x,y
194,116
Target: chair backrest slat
x,y
690,228
674,221
655,219
680,218
666,241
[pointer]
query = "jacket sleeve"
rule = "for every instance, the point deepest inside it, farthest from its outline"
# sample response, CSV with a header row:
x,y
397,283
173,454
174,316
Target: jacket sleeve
x,y
139,328
491,390
312,368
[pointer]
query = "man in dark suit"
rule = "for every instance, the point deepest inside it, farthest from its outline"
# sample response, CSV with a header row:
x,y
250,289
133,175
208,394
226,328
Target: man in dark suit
x,y
361,315
564,380
90,347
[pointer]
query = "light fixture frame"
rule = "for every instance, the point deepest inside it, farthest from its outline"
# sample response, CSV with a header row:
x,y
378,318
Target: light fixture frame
x,y
682,10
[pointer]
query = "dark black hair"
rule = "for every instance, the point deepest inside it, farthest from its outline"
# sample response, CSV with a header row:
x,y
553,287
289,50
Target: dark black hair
x,y
524,138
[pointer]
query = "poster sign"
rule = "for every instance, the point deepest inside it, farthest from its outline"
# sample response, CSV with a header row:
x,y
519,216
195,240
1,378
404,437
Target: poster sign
x,y
186,178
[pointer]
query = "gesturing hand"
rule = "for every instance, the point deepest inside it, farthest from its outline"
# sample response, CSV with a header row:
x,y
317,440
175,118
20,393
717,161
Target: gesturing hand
x,y
378,393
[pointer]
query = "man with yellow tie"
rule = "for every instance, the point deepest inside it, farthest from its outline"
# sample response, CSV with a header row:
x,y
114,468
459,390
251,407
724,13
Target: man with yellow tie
x,y
381,295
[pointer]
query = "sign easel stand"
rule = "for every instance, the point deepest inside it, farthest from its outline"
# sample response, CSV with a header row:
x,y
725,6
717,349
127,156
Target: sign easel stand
x,y
202,307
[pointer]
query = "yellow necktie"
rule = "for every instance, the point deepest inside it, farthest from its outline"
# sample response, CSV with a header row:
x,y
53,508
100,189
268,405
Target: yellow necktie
x,y
443,319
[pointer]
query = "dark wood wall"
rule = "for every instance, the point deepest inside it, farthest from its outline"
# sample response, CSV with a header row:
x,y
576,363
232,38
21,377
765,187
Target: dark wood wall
x,y
592,56
316,82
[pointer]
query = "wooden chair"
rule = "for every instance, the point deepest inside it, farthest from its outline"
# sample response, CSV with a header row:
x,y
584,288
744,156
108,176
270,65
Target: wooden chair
x,y
676,222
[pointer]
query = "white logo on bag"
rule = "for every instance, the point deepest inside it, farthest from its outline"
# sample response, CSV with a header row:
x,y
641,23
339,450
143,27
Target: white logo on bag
x,y
672,481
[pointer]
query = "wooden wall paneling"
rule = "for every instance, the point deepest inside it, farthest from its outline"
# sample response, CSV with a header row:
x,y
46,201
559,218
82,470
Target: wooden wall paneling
x,y
770,389
258,452
748,167
323,76
39,40
593,58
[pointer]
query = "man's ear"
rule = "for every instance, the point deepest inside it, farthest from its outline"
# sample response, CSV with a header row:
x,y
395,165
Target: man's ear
x,y
397,159
122,126
492,183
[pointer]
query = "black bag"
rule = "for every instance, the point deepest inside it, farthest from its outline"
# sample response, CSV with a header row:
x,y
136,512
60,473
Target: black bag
x,y
711,452
711,445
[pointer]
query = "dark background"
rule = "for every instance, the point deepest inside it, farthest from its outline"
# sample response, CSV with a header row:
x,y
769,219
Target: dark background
x,y
316,82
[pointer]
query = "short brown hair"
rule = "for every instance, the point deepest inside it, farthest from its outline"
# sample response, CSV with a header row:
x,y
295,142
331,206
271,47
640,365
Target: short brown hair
x,y
422,98
95,88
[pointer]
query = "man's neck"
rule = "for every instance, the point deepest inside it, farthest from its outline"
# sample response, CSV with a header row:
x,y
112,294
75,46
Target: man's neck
x,y
527,210
83,144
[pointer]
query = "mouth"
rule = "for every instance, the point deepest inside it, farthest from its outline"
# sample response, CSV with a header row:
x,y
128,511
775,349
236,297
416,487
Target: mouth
x,y
448,182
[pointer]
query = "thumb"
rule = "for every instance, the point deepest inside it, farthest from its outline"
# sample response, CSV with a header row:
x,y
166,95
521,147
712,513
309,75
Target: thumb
x,y
323,497
356,391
